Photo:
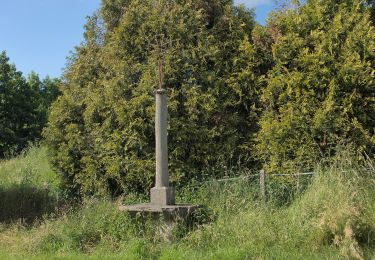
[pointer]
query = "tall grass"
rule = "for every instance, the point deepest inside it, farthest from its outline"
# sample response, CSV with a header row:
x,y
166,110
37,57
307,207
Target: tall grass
x,y
29,187
31,167
331,217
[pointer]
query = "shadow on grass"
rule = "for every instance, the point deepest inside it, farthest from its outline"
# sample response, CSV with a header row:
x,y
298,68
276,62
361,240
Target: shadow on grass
x,y
25,204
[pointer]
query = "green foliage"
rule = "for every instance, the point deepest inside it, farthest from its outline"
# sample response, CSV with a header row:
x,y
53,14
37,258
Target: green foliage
x,y
23,107
17,114
333,219
29,188
320,92
32,167
45,92
328,221
313,64
101,130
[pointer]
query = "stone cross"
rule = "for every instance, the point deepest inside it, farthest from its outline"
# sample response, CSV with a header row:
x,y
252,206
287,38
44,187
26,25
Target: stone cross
x,y
162,194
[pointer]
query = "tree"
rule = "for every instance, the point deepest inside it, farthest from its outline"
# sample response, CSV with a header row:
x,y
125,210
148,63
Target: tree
x,y
101,130
18,116
44,93
320,92
24,106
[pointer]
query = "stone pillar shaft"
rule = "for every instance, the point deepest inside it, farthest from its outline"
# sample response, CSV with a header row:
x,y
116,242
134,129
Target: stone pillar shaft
x,y
161,194
161,139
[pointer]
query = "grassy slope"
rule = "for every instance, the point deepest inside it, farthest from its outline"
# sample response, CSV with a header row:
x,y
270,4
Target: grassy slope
x,y
31,168
28,186
334,217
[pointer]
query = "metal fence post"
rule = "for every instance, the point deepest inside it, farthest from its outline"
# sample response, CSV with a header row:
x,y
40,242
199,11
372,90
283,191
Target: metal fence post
x,y
262,184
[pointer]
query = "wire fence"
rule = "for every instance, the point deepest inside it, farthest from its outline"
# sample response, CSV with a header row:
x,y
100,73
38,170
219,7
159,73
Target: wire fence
x,y
262,178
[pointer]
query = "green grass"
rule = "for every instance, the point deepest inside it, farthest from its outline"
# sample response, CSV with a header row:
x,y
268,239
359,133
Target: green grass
x,y
29,188
32,167
330,217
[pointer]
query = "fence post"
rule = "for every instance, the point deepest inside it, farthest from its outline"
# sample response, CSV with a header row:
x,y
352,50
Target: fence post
x,y
262,184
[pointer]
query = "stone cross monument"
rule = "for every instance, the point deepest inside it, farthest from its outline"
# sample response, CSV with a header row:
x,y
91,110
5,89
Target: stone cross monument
x,y
162,193
162,201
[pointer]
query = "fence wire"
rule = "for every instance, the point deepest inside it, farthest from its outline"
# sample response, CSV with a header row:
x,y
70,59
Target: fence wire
x,y
244,177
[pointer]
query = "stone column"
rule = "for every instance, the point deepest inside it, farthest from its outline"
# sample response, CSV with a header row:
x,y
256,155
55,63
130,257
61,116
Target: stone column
x,y
161,194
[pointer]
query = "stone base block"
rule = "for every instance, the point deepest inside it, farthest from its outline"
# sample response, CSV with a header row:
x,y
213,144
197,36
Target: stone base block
x,y
162,196
168,212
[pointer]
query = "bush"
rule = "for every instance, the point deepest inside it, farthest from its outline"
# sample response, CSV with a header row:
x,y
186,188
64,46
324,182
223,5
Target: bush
x,y
101,130
320,92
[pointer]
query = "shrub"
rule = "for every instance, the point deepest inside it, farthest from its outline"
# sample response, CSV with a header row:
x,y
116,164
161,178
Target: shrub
x,y
101,130
320,91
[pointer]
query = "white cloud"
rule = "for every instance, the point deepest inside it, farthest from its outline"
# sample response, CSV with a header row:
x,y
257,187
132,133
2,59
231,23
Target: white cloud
x,y
253,3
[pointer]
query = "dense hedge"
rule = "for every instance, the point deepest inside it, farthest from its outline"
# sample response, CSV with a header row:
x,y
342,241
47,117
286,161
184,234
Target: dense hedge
x,y
285,94
101,129
321,90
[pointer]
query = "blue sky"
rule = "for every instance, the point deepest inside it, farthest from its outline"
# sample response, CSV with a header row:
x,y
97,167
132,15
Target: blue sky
x,y
39,34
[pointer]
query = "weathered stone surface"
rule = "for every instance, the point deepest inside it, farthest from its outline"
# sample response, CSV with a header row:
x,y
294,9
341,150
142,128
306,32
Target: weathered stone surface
x,y
162,196
161,139
169,212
